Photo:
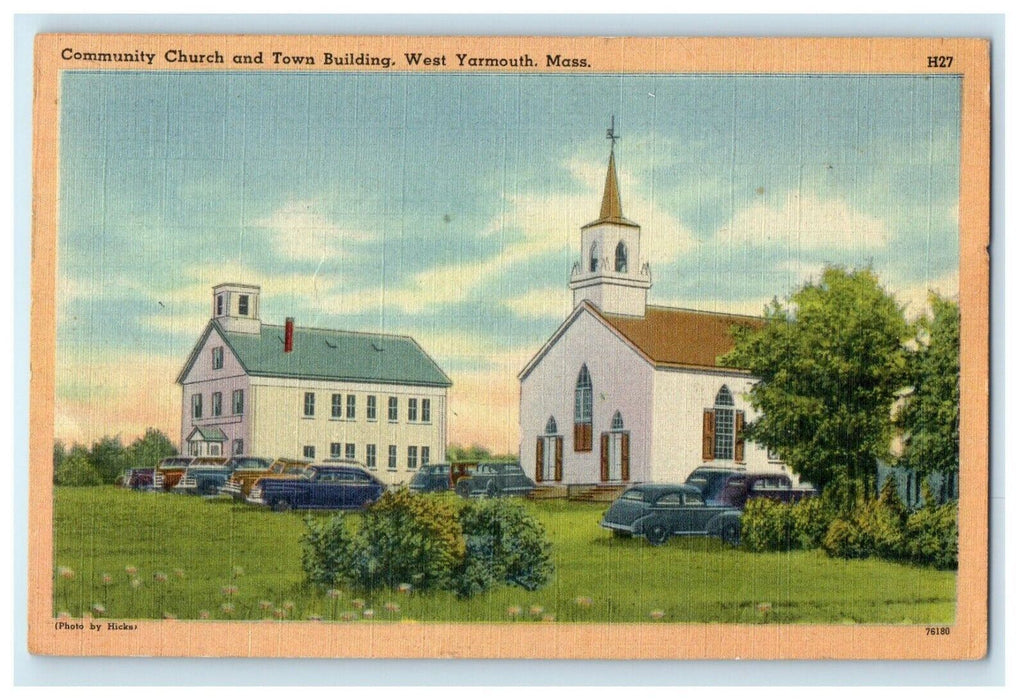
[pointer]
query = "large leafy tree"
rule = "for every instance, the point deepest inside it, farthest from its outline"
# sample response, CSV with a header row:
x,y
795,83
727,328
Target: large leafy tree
x,y
928,418
829,364
108,458
147,450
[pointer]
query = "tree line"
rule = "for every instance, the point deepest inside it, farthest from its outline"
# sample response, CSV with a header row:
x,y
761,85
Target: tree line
x,y
107,458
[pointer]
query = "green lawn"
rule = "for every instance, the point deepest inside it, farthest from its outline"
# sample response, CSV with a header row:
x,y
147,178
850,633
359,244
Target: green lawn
x,y
193,556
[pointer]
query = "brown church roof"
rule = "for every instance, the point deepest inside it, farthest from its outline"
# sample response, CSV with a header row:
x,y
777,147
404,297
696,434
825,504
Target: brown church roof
x,y
680,337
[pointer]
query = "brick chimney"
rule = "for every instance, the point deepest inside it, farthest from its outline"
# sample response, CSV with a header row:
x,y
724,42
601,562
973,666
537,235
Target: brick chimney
x,y
288,334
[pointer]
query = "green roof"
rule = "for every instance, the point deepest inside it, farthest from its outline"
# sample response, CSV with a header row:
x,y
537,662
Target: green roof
x,y
214,434
331,355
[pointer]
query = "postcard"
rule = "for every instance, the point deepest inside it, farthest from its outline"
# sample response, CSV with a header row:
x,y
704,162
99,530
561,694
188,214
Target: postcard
x,y
510,347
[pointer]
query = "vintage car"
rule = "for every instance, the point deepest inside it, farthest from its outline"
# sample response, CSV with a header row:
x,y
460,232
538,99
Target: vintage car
x,y
732,487
324,485
171,469
244,476
207,479
658,511
145,478
495,479
440,477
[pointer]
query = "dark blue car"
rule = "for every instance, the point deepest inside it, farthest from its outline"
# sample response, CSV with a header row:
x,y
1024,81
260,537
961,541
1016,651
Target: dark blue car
x,y
325,485
658,511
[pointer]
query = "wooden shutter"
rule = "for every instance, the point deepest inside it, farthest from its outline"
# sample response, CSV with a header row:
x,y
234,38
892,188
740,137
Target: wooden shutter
x,y
739,436
539,459
559,458
625,456
708,433
582,437
604,463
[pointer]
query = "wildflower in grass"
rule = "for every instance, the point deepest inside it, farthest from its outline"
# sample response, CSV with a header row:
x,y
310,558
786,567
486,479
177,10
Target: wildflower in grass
x,y
288,606
368,613
229,590
405,588
657,614
131,571
227,608
314,618
548,617
99,610
179,573
514,610
66,573
106,579
358,603
160,577
583,601
237,572
169,615
348,616
279,614
391,607
536,610
265,605
764,607
136,583
204,614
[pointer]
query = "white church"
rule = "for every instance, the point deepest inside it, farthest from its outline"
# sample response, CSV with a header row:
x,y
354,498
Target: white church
x,y
625,391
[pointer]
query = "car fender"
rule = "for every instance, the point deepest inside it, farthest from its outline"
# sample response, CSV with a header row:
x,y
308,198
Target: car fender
x,y
638,526
714,527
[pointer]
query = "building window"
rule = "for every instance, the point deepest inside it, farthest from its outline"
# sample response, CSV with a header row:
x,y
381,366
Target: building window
x,y
621,257
197,405
393,409
550,426
351,407
220,305
412,412
582,411
194,449
237,402
309,452
336,405
236,447
217,357
372,456
350,450
214,449
393,458
372,408
336,450
593,265
425,410
723,445
425,454
308,404
617,423
215,403
411,457
243,305
549,455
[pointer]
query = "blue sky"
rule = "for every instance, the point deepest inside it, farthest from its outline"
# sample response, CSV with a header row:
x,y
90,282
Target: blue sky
x,y
448,207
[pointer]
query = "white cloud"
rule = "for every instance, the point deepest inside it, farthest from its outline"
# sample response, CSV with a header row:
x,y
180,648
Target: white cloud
x,y
300,231
804,223
915,297
544,302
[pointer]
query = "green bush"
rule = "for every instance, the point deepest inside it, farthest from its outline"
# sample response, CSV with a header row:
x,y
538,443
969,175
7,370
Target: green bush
x,y
876,528
810,519
505,544
933,536
76,470
771,526
429,542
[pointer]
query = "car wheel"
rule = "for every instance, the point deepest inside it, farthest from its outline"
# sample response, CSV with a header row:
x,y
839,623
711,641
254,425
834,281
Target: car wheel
x,y
657,534
281,505
210,490
731,534
493,490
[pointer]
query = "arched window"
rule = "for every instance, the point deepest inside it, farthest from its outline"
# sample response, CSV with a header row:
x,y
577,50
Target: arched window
x,y
617,424
593,265
550,426
582,411
724,441
621,257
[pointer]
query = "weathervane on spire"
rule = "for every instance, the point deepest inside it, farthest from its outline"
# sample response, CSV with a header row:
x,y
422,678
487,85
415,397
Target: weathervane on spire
x,y
611,132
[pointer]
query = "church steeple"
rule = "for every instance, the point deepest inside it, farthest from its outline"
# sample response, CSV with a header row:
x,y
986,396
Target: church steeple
x,y
610,274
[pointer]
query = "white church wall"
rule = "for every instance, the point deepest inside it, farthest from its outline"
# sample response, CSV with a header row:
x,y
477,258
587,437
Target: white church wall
x,y
679,400
621,381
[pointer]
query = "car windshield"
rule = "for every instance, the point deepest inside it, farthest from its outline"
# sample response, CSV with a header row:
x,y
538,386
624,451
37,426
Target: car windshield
x,y
248,463
708,482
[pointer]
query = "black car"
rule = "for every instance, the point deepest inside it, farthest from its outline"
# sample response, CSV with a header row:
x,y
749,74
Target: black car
x,y
325,485
657,511
432,478
495,479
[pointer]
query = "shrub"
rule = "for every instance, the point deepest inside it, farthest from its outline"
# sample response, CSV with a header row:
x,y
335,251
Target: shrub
x,y
810,519
76,470
933,536
409,538
771,526
329,549
505,544
876,528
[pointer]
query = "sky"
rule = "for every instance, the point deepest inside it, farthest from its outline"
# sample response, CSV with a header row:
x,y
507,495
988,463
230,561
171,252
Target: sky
x,y
448,207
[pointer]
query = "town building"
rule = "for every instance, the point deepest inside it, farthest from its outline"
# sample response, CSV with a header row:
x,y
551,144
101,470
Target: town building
x,y
286,391
625,391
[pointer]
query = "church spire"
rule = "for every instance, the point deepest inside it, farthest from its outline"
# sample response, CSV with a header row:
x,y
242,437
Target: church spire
x,y
611,196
